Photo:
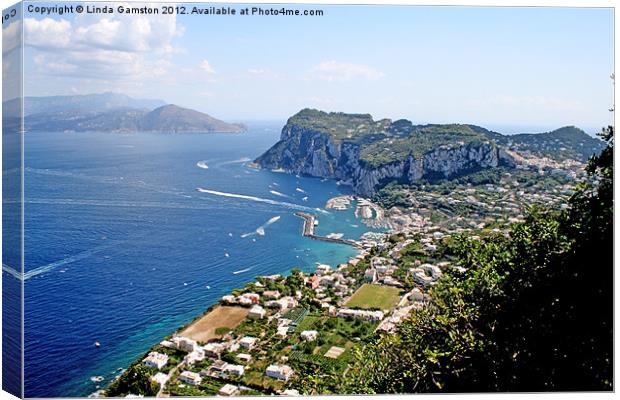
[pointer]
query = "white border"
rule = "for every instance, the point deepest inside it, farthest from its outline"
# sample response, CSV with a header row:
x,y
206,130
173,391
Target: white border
x,y
506,3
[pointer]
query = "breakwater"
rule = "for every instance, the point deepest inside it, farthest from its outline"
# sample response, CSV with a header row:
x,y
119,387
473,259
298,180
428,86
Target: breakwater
x,y
308,231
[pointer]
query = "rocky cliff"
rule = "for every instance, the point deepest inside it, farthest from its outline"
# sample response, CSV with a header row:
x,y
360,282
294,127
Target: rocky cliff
x,y
368,154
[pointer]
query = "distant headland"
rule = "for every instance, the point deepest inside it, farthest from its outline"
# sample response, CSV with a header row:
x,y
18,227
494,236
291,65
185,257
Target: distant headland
x,y
112,112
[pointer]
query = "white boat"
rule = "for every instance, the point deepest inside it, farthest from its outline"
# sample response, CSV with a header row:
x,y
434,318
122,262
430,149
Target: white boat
x,y
241,271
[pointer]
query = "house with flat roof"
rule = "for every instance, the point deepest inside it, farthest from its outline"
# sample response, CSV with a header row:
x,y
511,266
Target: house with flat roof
x,y
313,282
185,344
257,312
213,349
234,369
281,372
191,378
196,355
218,366
248,342
228,390
155,360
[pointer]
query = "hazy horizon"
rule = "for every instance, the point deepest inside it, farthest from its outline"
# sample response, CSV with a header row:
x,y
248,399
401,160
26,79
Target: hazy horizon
x,y
505,128
533,68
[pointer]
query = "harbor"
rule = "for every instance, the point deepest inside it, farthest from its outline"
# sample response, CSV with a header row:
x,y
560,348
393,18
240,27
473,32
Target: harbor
x,y
308,231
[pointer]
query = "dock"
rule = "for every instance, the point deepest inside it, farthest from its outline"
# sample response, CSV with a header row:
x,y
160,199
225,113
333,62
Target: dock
x,y
308,231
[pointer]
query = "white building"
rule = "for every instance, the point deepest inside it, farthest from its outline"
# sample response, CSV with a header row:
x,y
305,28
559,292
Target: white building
x,y
389,281
246,358
191,378
282,331
281,372
309,336
185,344
196,355
156,360
248,342
234,369
160,378
286,303
361,314
228,390
213,349
229,299
382,269
257,312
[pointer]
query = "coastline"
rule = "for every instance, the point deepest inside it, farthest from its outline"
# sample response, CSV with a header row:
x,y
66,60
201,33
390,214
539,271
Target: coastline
x,y
363,247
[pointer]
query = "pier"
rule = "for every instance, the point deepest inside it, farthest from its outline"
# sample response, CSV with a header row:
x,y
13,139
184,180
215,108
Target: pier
x,y
308,231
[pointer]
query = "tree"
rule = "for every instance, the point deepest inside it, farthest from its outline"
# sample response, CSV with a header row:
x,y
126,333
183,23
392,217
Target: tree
x,y
136,380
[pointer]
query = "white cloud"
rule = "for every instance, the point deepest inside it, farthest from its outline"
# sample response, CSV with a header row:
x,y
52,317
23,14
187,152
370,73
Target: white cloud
x,y
205,66
115,49
105,34
47,33
257,71
334,71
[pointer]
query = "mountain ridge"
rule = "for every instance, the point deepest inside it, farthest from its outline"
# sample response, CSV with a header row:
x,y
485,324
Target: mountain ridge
x,y
111,112
367,154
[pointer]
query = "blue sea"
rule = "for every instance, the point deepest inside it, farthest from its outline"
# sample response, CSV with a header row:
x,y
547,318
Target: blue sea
x,y
121,248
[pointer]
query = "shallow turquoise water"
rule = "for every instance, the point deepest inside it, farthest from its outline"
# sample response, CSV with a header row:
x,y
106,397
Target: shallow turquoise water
x,y
122,249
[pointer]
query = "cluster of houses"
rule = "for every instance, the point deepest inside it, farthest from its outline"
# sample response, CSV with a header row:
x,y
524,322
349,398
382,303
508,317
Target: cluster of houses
x,y
368,315
218,368
331,287
327,280
221,368
246,299
270,299
381,271
196,352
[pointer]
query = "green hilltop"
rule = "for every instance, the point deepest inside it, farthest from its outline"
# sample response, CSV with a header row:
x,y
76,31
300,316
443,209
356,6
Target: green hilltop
x,y
385,141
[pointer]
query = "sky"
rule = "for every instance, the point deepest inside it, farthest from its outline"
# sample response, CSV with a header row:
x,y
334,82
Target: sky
x,y
504,68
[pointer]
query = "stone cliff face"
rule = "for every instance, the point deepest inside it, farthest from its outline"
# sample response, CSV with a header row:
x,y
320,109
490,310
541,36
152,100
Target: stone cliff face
x,y
304,150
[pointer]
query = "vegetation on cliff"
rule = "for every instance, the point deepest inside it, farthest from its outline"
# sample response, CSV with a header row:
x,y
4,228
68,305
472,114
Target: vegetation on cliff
x,y
418,141
564,143
370,154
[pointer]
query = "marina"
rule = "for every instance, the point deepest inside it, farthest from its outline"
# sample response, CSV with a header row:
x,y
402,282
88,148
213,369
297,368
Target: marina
x,y
308,231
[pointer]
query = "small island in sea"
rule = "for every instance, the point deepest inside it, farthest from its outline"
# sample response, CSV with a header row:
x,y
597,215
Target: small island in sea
x,y
469,220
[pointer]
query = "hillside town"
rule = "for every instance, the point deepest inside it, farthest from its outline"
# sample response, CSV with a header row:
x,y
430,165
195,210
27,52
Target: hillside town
x,y
265,337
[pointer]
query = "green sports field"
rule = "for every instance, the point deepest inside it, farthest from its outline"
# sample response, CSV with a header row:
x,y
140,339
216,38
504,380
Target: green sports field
x,y
374,296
